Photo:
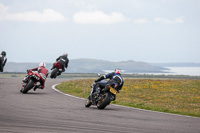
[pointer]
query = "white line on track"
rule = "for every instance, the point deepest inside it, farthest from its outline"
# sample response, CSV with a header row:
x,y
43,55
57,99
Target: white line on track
x,y
54,88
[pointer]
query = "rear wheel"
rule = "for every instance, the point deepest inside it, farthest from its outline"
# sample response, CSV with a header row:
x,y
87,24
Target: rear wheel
x,y
54,73
29,86
104,101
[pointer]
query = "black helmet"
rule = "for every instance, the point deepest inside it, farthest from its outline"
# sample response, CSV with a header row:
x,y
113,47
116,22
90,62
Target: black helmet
x,y
3,53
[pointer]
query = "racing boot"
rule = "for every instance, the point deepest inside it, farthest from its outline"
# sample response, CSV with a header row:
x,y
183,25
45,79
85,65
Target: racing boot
x,y
37,86
25,79
59,73
113,97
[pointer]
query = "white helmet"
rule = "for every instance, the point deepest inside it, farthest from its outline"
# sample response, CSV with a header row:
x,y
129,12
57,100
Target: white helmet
x,y
117,71
42,64
65,54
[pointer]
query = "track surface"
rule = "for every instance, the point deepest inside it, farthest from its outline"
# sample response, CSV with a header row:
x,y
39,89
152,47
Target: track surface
x,y
51,112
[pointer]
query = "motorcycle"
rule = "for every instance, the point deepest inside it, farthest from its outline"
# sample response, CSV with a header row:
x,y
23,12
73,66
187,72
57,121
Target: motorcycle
x,y
57,69
102,98
32,81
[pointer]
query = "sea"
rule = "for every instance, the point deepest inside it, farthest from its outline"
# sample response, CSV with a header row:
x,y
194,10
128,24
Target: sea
x,y
191,71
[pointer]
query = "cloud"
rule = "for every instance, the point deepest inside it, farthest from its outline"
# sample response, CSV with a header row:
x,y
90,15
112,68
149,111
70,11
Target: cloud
x,y
3,9
98,17
141,21
48,15
167,21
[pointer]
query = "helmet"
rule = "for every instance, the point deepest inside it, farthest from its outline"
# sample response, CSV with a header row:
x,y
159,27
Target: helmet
x,y
3,53
42,64
117,70
65,54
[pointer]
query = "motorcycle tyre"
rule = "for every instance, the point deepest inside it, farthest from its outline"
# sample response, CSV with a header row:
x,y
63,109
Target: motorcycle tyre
x,y
54,73
106,100
28,86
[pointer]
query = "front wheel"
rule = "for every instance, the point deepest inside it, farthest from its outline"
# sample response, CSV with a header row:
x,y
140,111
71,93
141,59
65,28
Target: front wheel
x,y
54,73
29,86
104,101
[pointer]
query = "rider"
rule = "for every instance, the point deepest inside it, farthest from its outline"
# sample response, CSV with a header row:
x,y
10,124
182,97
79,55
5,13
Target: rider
x,y
63,59
43,73
116,81
3,60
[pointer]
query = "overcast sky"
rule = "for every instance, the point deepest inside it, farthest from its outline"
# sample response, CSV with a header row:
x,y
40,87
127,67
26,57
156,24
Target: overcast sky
x,y
113,30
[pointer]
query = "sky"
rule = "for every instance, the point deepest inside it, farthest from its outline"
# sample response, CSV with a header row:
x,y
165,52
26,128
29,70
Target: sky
x,y
155,31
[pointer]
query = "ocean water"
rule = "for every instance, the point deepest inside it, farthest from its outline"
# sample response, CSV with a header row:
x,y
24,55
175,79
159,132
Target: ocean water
x,y
192,71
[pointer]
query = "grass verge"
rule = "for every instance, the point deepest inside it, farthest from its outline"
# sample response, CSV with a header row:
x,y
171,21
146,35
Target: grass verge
x,y
178,96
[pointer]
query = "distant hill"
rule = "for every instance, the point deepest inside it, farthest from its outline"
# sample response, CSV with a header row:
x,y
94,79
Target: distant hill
x,y
91,66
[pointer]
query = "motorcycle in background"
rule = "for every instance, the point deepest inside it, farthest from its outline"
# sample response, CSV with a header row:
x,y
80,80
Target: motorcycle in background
x,y
57,70
33,79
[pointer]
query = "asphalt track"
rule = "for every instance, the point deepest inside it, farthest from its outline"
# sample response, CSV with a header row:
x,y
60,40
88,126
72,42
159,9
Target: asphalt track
x,y
47,111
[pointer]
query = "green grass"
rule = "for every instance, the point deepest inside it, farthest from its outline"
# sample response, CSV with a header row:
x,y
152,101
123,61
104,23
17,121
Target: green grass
x,y
179,96
12,74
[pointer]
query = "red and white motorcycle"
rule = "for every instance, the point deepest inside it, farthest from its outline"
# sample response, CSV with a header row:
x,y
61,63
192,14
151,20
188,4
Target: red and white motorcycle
x,y
33,80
